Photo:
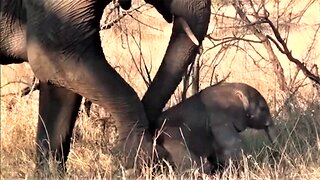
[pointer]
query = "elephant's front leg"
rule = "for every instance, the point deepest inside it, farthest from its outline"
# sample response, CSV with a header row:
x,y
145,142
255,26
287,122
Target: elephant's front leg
x,y
214,165
58,111
64,48
227,145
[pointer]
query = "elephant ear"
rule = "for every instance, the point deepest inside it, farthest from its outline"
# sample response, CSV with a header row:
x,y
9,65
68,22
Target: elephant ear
x,y
240,121
243,99
188,31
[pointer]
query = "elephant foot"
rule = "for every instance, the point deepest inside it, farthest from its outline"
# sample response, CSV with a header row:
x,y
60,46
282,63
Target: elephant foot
x,y
136,153
207,168
43,171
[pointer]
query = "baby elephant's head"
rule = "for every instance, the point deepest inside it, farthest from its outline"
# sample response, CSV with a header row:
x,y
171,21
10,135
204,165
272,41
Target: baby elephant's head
x,y
257,111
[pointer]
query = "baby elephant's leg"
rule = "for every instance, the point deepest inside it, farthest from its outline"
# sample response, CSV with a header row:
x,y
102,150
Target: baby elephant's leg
x,y
182,158
215,164
227,144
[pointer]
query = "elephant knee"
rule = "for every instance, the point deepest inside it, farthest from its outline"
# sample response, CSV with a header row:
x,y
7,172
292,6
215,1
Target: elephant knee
x,y
232,154
224,157
230,157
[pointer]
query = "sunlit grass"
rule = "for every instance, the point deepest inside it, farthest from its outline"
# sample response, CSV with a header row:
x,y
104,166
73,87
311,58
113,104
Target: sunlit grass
x,y
297,148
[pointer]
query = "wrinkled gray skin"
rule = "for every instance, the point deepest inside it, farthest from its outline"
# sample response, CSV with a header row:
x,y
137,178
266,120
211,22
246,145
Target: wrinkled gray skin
x,y
60,40
180,53
209,123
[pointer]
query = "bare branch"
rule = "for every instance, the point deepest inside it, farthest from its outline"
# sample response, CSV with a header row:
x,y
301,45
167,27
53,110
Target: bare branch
x,y
127,13
133,60
14,82
314,40
256,30
35,86
289,55
276,43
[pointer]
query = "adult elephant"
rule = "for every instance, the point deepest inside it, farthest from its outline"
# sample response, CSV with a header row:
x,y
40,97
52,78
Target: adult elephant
x,y
60,40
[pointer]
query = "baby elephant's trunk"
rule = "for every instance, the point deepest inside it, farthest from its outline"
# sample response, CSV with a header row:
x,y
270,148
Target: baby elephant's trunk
x,y
272,133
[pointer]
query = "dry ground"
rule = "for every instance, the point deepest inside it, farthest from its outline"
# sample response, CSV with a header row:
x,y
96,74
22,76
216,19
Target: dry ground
x,y
298,118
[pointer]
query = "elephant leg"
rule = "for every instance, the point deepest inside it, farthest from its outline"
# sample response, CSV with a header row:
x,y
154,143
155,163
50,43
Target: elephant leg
x,y
58,109
215,164
64,48
227,145
181,157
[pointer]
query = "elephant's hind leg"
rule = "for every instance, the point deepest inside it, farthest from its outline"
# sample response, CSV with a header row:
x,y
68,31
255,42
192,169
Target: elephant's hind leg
x,y
180,156
58,110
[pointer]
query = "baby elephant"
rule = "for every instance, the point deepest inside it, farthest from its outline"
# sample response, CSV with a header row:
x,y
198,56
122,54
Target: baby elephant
x,y
207,125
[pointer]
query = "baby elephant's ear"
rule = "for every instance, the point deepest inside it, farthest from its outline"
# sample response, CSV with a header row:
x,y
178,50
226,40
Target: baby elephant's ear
x,y
240,121
243,98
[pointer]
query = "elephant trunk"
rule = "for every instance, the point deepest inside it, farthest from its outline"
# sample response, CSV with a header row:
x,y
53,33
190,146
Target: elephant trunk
x,y
180,53
163,8
272,133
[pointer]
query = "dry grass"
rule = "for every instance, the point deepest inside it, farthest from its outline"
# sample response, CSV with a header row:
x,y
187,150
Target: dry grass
x,y
298,118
